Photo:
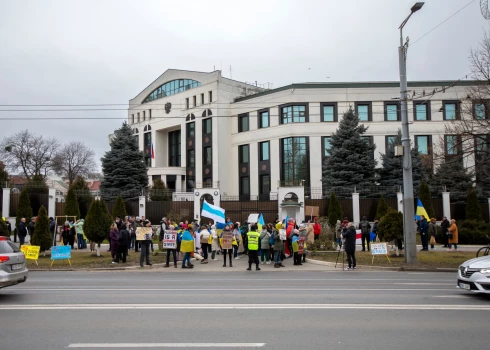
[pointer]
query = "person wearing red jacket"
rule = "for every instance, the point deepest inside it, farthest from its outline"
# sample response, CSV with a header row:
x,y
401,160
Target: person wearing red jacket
x,y
317,229
288,243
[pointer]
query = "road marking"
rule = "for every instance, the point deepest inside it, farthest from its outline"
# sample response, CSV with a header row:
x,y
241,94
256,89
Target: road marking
x,y
423,284
243,307
167,345
352,289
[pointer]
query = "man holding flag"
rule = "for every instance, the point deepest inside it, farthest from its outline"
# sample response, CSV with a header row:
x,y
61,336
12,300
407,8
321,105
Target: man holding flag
x,y
422,216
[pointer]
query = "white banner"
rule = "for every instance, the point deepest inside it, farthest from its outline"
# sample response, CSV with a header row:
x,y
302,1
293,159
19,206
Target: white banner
x,y
170,240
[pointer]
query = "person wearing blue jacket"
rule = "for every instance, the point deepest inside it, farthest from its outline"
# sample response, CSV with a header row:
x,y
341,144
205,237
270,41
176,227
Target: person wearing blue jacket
x,y
424,233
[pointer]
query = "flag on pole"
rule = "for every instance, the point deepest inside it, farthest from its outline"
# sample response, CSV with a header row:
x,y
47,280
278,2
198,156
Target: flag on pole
x,y
152,152
213,212
421,211
260,222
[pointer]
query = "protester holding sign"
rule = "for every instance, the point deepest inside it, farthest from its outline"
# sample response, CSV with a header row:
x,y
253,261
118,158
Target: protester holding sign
x,y
170,243
226,240
144,236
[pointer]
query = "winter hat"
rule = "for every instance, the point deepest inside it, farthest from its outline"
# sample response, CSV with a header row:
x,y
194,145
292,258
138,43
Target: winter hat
x,y
278,226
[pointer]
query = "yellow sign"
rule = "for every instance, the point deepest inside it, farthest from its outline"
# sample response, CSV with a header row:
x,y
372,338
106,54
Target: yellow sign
x,y
143,233
31,252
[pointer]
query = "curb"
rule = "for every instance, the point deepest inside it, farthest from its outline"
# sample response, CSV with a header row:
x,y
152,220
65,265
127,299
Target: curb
x,y
383,268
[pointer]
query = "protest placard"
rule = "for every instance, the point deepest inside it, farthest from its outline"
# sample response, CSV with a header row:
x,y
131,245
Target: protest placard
x,y
143,233
60,253
301,245
31,252
282,234
379,249
170,240
227,240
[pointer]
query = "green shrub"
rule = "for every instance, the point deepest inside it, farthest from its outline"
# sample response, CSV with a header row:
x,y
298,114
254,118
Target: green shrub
x,y
473,209
324,242
383,208
24,210
42,235
98,222
391,226
473,232
119,209
71,204
426,198
334,210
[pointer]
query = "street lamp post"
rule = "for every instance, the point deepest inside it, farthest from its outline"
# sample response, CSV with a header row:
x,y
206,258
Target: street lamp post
x,y
409,232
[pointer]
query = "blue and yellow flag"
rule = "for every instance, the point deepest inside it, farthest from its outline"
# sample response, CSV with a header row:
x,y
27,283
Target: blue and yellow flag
x,y
421,211
260,222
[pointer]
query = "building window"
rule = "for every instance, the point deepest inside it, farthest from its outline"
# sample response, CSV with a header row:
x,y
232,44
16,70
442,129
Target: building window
x,y
264,185
421,110
170,88
194,101
244,153
207,182
210,96
174,148
329,112
389,141
479,111
364,111
392,112
191,158
244,186
144,115
451,145
295,160
264,119
138,117
450,110
243,124
149,113
132,118
326,146
191,129
202,99
147,148
207,156
293,114
207,126
423,143
264,151
187,103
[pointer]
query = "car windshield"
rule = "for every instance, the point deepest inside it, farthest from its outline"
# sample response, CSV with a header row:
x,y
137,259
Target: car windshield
x,y
8,247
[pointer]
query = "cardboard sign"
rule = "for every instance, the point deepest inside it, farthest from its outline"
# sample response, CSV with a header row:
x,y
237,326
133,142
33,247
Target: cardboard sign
x,y
282,234
253,218
379,248
31,252
170,240
143,233
301,245
62,252
227,240
312,211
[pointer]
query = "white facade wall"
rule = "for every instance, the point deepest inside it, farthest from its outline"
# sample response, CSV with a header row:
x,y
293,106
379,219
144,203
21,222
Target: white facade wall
x,y
227,139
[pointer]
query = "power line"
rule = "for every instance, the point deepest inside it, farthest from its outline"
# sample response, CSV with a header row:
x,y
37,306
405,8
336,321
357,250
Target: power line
x,y
447,19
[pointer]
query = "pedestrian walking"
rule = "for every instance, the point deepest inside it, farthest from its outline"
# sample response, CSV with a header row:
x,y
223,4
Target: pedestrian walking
x,y
253,247
350,245
365,228
114,236
264,245
122,244
432,232
453,236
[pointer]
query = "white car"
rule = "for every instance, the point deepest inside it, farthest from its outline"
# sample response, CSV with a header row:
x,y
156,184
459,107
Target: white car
x,y
474,275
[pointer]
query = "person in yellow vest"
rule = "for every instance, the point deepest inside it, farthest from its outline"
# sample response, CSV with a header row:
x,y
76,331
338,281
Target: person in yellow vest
x,y
253,247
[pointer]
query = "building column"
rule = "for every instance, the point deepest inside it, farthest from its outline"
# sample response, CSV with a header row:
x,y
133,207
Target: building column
x,y
399,201
51,203
6,202
355,209
142,205
446,205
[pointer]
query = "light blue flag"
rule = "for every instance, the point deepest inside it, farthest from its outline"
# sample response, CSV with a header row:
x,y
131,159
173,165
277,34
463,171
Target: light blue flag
x,y
213,212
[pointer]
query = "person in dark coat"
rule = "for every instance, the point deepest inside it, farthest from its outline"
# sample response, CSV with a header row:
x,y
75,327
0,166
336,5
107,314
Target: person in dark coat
x,y
350,245
72,233
445,226
52,229
424,233
22,231
114,236
31,226
122,244
65,232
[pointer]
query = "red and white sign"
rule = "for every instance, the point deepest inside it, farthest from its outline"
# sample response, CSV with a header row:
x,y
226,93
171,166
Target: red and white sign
x,y
170,240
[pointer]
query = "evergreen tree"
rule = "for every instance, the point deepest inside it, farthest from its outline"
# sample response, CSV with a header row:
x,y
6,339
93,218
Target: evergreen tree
x,y
159,192
383,208
36,184
391,226
119,209
334,210
473,209
71,204
3,226
426,198
391,173
84,197
42,236
351,162
455,177
97,224
123,166
24,210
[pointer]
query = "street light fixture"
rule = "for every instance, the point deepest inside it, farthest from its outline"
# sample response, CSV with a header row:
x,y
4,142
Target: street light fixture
x,y
409,232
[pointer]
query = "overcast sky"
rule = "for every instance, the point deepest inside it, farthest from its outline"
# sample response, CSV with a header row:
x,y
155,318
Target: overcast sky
x,y
95,52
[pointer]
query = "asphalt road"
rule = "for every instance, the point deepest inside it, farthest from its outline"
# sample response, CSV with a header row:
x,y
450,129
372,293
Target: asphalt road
x,y
239,309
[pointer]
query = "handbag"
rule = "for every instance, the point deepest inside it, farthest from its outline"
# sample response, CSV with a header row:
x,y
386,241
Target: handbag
x,y
449,235
432,240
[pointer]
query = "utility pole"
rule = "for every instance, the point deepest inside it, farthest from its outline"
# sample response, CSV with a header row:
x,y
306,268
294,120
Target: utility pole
x,y
409,230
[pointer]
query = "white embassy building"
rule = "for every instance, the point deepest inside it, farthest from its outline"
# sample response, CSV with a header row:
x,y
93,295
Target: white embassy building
x,y
208,131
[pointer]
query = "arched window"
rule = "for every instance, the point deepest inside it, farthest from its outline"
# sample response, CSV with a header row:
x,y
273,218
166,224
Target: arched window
x,y
135,131
147,128
207,113
171,88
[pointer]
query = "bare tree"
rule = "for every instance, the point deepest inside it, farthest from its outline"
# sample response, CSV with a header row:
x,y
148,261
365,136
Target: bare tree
x,y
28,153
74,159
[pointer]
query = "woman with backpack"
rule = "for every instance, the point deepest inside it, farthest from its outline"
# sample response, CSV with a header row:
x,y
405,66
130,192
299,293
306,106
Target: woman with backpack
x,y
264,245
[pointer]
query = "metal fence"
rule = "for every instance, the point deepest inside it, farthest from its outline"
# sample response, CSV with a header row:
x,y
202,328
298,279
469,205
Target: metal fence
x,y
180,210
36,199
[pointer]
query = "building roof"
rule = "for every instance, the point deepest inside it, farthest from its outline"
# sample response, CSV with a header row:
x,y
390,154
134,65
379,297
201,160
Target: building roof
x,y
94,185
360,85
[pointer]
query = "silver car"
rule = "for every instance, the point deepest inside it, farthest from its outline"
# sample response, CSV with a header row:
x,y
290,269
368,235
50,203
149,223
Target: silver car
x,y
474,275
13,268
